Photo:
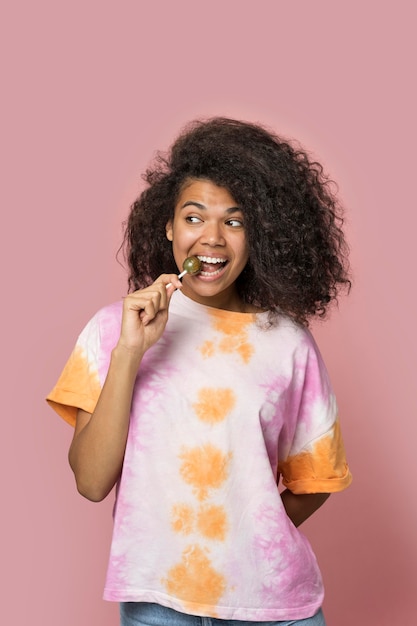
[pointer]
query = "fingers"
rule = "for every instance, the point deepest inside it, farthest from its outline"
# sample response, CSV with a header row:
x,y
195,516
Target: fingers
x,y
150,301
172,283
145,314
146,303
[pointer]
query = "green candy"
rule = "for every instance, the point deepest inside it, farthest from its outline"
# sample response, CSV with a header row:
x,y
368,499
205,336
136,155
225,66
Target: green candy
x,y
192,265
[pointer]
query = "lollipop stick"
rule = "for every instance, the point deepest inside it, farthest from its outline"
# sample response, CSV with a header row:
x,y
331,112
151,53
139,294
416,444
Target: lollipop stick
x,y
179,276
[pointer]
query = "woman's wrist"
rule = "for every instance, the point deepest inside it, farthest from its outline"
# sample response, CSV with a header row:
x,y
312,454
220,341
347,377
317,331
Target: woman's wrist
x,y
126,356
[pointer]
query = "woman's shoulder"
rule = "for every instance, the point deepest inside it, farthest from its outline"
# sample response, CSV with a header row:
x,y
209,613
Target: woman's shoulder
x,y
284,332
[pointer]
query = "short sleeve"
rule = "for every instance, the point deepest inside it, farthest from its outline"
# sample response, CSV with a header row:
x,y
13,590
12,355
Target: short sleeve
x,y
79,386
313,459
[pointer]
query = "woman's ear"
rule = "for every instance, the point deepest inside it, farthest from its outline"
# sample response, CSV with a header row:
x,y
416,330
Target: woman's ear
x,y
168,230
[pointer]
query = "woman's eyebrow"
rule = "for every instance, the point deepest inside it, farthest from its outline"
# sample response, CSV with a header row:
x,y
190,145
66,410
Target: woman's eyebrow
x,y
193,203
233,209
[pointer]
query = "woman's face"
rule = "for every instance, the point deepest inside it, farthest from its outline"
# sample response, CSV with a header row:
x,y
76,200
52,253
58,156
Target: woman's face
x,y
208,224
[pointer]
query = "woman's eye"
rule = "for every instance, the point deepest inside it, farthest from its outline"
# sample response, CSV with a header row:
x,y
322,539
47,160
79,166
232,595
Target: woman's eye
x,y
235,223
192,219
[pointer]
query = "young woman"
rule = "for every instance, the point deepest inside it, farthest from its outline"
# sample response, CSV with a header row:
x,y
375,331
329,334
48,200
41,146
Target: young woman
x,y
196,398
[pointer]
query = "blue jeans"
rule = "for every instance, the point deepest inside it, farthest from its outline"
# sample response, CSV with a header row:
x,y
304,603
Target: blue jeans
x,y
147,614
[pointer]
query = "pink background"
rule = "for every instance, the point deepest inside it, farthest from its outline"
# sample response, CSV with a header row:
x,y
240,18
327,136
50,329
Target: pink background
x,y
90,89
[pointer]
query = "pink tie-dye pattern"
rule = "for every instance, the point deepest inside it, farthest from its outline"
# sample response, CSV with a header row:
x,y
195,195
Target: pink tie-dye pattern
x,y
280,558
272,416
289,401
316,386
149,396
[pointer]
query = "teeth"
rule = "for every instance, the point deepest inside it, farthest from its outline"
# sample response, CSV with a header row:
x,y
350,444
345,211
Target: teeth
x,y
211,274
210,259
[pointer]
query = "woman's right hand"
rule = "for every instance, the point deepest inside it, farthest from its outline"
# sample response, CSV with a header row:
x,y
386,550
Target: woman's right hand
x,y
145,314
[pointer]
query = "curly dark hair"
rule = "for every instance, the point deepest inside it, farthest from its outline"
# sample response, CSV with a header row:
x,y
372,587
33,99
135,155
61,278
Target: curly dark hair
x,y
297,251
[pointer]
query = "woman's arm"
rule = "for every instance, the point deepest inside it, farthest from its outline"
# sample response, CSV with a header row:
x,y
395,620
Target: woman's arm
x,y
300,507
98,446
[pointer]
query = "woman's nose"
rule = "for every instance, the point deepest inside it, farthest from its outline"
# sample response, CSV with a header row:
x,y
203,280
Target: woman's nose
x,y
212,234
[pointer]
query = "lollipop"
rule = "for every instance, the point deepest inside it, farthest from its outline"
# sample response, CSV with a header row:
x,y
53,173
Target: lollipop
x,y
191,265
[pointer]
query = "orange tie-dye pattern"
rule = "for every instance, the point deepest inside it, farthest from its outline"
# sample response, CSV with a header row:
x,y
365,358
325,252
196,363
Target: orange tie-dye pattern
x,y
212,522
232,326
324,468
204,467
182,520
78,375
235,337
236,344
194,580
246,350
207,349
214,404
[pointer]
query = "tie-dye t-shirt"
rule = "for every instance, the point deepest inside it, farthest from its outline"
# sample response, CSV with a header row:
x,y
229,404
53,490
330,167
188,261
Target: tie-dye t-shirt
x,y
223,406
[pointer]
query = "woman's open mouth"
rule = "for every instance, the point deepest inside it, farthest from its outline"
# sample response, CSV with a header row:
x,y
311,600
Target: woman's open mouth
x,y
211,266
